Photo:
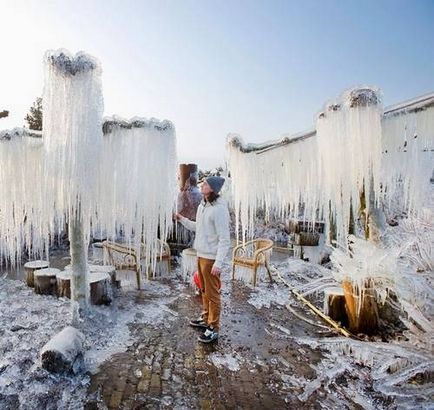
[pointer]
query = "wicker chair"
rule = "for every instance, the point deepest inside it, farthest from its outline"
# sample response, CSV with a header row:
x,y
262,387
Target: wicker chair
x,y
252,254
122,256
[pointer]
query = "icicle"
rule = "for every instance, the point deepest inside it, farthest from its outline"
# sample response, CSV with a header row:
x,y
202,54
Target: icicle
x,y
408,157
137,186
21,196
349,146
285,182
123,183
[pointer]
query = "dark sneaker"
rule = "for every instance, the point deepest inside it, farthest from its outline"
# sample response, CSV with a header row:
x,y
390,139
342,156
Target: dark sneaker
x,y
209,336
199,323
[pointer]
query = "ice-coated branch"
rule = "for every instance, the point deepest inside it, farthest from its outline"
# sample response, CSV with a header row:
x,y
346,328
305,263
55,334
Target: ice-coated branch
x,y
7,135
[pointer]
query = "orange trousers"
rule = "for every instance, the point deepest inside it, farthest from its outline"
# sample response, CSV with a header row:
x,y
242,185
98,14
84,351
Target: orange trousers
x,y
211,299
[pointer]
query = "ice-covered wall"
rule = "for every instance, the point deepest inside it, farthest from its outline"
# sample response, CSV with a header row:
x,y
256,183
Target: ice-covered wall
x,y
408,154
21,194
277,180
355,147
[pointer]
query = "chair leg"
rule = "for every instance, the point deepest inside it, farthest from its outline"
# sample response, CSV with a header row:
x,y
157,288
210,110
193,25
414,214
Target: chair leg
x,y
138,278
255,269
233,271
269,272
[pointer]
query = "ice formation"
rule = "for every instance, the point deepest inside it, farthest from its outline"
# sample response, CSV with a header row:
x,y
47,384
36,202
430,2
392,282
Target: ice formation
x,y
366,261
398,372
349,147
188,265
283,179
20,201
408,153
138,183
354,150
118,177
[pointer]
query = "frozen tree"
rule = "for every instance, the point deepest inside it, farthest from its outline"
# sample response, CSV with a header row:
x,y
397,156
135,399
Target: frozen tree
x,y
89,175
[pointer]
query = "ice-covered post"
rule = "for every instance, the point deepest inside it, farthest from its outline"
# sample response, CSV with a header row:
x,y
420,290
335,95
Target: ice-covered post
x,y
72,137
79,268
349,142
349,147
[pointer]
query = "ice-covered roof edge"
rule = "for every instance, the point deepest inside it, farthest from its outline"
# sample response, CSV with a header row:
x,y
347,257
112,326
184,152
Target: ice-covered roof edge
x,y
408,106
109,124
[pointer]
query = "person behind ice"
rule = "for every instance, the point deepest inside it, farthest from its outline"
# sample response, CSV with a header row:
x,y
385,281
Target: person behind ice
x,y
212,243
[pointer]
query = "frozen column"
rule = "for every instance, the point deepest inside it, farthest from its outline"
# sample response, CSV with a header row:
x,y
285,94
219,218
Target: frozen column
x,y
72,136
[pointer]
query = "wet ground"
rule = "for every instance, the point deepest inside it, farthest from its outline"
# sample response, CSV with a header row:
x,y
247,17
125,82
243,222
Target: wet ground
x,y
259,361
256,363
167,367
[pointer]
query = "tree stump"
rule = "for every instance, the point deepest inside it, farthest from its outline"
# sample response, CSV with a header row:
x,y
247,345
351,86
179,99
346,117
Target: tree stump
x,y
63,351
64,284
106,269
102,268
100,288
334,305
188,264
30,268
45,281
361,308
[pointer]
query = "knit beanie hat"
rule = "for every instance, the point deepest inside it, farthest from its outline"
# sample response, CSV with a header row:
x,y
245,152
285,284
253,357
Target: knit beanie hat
x,y
215,183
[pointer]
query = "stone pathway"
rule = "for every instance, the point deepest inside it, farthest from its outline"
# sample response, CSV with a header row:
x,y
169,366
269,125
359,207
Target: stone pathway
x,y
248,368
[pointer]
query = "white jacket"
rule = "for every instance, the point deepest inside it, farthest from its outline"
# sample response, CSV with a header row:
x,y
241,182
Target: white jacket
x,y
212,239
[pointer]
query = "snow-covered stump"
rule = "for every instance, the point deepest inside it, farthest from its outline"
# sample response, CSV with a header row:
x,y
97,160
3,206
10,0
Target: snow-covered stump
x,y
188,265
64,352
110,270
100,288
30,268
45,281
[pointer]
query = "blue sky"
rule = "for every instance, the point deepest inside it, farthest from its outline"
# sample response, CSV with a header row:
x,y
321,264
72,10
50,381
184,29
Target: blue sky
x,y
257,68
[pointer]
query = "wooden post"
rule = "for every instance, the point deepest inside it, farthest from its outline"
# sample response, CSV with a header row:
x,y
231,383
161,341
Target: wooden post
x,y
30,268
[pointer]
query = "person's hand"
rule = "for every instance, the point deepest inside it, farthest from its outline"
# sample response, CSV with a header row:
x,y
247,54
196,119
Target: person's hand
x,y
178,217
216,271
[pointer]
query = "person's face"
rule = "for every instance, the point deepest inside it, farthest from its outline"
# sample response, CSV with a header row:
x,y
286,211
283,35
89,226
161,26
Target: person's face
x,y
205,188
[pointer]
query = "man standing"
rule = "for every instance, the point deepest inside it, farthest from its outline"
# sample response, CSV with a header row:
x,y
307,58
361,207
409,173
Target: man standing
x,y
212,243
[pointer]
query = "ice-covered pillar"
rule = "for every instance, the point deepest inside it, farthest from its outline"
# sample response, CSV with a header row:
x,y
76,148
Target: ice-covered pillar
x,y
349,146
72,136
79,267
